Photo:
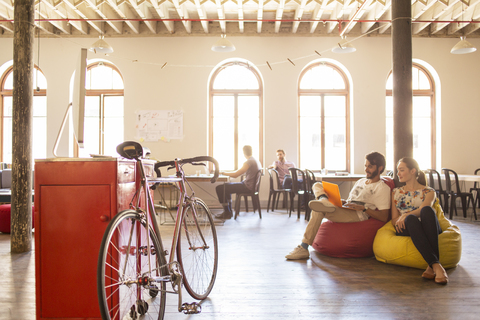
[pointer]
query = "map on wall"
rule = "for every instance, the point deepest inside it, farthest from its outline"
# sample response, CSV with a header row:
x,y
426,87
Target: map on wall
x,y
154,125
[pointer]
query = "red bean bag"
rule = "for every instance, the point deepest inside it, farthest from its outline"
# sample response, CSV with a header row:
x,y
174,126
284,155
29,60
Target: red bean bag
x,y
5,217
348,240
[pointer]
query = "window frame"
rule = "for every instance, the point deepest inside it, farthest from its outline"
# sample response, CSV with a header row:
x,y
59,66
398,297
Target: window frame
x,y
235,93
433,114
101,94
8,92
323,93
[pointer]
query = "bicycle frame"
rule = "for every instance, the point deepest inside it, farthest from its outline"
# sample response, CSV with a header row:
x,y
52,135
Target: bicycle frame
x,y
183,203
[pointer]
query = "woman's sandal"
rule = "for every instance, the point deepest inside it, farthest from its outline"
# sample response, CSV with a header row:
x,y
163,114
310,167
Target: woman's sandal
x,y
441,280
428,274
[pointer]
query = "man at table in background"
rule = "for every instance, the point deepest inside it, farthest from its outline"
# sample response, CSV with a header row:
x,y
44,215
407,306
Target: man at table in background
x,y
371,191
225,191
282,165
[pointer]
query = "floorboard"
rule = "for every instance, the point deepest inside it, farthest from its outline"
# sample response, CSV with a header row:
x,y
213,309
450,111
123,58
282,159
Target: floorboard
x,y
256,282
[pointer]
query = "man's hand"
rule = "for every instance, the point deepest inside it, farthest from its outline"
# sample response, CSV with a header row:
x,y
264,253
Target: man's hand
x,y
354,206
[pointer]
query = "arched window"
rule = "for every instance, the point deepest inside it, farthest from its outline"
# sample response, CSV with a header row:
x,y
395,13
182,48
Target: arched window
x,y
424,118
104,109
236,114
39,146
324,118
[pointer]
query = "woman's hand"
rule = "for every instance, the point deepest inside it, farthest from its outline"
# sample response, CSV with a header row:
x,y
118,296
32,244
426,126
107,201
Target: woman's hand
x,y
400,223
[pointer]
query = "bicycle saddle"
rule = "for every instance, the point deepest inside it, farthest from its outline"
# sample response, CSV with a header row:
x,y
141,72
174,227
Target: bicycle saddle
x,y
130,150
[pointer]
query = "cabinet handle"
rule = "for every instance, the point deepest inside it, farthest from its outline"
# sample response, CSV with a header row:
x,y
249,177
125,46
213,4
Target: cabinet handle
x,y
104,218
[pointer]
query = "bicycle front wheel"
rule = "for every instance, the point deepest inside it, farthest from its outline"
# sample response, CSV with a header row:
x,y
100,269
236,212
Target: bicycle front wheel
x,y
130,258
197,250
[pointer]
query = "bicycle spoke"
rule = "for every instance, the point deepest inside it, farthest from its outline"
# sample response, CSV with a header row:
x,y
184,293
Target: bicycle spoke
x,y
127,252
197,250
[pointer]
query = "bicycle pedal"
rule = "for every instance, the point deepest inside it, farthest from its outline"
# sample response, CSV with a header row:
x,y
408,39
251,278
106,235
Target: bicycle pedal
x,y
191,308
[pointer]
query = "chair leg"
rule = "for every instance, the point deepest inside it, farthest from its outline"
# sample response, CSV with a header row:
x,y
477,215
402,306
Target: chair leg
x,y
299,205
463,199
445,202
238,200
246,204
275,199
269,197
256,198
292,200
453,203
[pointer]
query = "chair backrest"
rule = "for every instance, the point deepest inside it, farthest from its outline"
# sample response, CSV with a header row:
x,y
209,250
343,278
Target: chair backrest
x,y
476,173
274,179
432,176
259,178
448,181
297,175
310,180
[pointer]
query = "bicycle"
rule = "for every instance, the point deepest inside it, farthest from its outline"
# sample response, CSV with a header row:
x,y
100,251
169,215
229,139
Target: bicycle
x,y
133,272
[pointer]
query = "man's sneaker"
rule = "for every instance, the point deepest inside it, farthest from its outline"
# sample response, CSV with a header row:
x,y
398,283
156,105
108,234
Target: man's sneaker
x,y
321,205
225,215
298,253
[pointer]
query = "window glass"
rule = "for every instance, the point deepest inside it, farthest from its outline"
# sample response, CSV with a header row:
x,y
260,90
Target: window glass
x,y
423,120
322,77
324,139
236,114
39,122
235,77
335,131
224,130
248,125
310,131
104,110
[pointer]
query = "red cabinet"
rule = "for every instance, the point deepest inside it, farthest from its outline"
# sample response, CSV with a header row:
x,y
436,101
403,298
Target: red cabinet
x,y
74,201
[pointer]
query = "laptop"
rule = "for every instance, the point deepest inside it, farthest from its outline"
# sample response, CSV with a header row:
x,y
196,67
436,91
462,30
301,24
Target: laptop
x,y
333,193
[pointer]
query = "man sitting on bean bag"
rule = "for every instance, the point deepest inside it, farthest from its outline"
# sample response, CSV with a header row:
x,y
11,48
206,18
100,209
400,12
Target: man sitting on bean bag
x,y
371,191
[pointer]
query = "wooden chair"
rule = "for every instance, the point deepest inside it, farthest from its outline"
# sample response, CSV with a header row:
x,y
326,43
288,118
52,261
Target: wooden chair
x,y
298,189
310,176
466,197
276,190
435,175
255,197
476,188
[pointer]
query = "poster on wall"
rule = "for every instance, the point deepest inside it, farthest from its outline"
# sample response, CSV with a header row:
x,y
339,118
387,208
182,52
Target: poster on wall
x,y
154,125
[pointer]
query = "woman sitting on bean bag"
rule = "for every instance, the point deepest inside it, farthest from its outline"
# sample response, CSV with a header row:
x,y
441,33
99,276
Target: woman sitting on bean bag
x,y
413,216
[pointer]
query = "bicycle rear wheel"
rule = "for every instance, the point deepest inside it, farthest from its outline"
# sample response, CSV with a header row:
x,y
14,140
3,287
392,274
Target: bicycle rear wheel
x,y
197,250
125,289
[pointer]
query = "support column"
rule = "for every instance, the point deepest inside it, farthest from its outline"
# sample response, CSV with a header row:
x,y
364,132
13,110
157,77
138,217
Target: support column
x,y
402,79
22,120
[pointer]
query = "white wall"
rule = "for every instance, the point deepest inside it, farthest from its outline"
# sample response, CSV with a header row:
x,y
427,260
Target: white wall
x,y
182,84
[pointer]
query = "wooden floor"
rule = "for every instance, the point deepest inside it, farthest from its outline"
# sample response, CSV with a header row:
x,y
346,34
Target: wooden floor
x,y
256,282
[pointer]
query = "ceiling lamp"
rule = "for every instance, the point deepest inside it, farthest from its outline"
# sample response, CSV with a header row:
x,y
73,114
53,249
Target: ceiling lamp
x,y
344,47
223,45
462,47
101,46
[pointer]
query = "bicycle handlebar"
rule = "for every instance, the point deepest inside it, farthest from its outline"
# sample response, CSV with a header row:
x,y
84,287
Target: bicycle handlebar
x,y
192,161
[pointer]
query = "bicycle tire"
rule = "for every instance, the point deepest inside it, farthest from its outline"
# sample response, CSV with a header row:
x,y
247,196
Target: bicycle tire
x,y
198,265
122,262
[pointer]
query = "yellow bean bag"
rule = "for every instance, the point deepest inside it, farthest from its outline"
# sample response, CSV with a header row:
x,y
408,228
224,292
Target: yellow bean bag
x,y
393,249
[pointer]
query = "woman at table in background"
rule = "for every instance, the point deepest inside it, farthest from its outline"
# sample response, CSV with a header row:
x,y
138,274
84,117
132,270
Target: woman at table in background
x,y
413,216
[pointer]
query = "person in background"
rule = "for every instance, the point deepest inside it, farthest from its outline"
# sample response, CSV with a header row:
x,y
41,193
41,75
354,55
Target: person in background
x,y
413,216
369,198
282,165
225,191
